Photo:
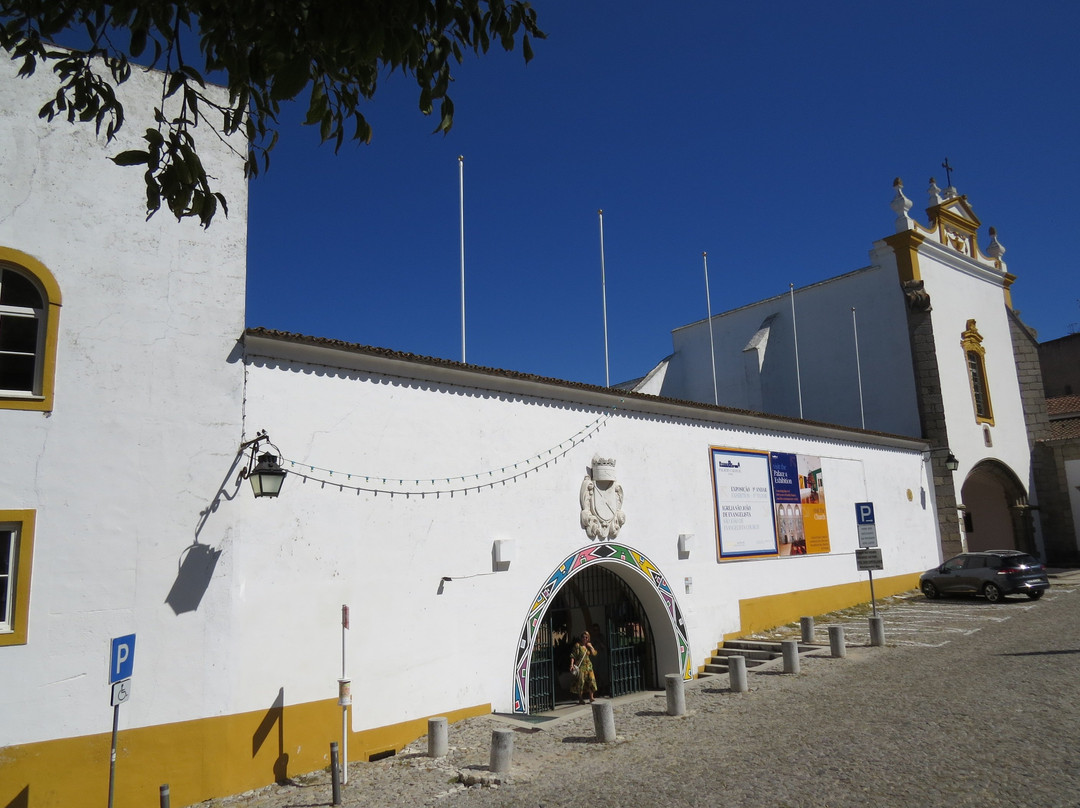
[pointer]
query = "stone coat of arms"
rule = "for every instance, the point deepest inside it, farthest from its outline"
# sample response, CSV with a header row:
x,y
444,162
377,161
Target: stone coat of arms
x,y
601,500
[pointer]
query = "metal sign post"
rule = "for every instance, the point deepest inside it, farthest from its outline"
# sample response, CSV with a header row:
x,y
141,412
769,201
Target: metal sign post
x,y
344,700
869,559
121,663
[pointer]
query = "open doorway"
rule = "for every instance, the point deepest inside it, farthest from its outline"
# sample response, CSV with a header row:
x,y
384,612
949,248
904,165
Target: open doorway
x,y
596,600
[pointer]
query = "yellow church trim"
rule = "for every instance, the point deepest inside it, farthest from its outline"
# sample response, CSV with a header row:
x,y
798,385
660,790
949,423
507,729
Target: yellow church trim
x,y
249,750
906,247
1006,284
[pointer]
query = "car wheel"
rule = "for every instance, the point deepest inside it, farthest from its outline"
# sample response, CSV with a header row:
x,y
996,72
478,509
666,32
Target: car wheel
x,y
930,590
992,592
1035,594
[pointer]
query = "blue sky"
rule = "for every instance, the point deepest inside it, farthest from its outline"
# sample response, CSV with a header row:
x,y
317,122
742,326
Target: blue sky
x,y
767,134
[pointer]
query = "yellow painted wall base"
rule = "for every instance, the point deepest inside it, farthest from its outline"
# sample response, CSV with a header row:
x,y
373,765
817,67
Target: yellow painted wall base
x,y
211,757
759,614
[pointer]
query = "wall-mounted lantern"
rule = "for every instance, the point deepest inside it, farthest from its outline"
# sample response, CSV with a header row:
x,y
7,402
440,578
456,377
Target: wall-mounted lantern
x,y
951,463
266,474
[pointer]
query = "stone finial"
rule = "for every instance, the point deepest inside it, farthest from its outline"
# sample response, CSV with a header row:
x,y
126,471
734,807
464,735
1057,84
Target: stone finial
x,y
934,193
900,206
995,249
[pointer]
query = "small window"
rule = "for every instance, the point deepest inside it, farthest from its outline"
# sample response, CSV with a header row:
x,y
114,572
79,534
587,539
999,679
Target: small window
x,y
29,325
16,557
975,356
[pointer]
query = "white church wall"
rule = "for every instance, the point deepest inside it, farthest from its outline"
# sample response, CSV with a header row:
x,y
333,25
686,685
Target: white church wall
x,y
145,418
958,294
1072,476
827,367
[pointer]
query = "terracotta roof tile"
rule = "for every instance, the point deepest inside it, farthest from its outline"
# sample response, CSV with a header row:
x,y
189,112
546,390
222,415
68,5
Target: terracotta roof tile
x,y
1062,405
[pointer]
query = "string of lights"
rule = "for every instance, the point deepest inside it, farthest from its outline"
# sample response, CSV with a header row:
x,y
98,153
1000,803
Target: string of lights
x,y
450,485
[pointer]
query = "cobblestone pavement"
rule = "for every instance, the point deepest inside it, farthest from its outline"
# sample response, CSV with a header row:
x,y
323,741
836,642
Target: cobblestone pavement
x,y
968,703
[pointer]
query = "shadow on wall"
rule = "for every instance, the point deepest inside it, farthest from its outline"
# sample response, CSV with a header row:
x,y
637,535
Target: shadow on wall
x,y
197,564
275,715
197,561
22,799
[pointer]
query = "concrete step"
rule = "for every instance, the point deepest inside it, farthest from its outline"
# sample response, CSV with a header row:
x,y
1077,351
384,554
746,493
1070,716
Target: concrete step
x,y
755,652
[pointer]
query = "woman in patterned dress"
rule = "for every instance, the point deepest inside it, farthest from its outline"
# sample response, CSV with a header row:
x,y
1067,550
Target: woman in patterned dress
x,y
581,666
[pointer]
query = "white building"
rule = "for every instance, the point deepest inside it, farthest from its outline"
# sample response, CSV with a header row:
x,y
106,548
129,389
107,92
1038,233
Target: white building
x,y
471,519
922,342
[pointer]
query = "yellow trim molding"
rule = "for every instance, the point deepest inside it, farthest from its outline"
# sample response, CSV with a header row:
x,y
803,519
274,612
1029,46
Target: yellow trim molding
x,y
24,561
202,759
906,247
770,611
1007,283
29,264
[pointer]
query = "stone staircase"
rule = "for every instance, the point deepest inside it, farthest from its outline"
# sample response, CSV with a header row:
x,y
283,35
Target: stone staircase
x,y
756,652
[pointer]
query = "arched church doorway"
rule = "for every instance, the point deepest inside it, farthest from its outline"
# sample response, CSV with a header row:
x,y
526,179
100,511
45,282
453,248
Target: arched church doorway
x,y
995,510
622,599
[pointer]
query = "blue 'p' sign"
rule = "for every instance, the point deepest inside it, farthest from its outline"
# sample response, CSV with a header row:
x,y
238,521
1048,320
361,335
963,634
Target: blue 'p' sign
x,y
864,513
121,658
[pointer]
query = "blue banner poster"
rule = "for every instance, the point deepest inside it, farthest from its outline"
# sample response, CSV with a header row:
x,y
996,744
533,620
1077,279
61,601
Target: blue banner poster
x,y
799,504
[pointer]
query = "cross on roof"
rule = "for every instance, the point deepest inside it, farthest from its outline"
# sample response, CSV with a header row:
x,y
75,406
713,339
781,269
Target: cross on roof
x,y
948,173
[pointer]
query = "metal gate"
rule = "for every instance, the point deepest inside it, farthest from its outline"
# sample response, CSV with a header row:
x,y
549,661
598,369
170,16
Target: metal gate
x,y
542,672
599,601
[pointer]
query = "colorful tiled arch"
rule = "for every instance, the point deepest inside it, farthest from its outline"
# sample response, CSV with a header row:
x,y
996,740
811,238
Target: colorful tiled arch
x,y
610,553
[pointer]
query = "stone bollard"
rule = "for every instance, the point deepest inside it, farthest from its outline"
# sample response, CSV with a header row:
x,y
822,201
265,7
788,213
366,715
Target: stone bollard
x,y
806,624
676,695
877,630
603,718
791,655
502,749
836,641
437,740
737,673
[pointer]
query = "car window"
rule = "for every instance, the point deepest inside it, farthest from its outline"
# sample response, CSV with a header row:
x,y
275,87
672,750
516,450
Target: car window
x,y
954,564
1022,560
975,562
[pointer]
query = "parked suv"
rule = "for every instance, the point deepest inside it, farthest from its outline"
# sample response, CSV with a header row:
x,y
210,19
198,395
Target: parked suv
x,y
992,574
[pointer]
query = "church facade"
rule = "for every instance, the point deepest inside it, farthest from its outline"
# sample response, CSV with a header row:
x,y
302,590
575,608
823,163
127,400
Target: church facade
x,y
924,342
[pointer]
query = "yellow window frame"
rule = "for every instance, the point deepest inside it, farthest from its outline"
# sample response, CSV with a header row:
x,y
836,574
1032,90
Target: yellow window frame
x,y
42,402
25,520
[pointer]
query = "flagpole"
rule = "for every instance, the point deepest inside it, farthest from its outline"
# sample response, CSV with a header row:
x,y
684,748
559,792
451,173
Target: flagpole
x,y
795,331
461,209
858,366
712,342
603,288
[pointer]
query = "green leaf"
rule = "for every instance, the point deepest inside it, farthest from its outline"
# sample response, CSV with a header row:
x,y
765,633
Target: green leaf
x,y
291,79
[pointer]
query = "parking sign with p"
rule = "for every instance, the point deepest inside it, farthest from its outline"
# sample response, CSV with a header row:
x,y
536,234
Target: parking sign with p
x,y
121,658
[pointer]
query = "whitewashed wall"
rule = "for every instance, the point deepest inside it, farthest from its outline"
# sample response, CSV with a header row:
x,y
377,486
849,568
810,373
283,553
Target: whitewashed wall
x,y
827,361
414,648
960,290
146,421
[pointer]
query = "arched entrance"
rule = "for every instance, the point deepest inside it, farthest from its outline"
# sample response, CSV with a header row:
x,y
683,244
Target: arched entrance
x,y
996,511
615,588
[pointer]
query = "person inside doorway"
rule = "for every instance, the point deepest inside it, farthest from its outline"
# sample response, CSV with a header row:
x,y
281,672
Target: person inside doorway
x,y
582,669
